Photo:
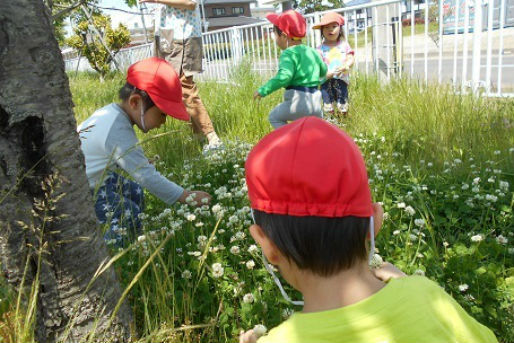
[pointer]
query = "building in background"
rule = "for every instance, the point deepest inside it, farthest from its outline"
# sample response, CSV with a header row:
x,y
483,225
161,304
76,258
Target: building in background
x,y
221,14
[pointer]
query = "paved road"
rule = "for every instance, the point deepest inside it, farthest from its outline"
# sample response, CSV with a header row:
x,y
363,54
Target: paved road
x,y
447,68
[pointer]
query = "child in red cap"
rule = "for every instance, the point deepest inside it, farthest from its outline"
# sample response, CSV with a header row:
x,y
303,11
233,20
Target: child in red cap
x,y
300,70
313,214
152,92
339,56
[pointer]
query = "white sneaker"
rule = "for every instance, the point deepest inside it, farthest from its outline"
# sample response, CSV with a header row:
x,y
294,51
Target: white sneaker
x,y
343,107
328,108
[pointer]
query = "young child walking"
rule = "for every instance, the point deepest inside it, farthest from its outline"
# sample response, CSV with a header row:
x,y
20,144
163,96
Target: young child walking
x,y
108,141
309,193
299,72
339,57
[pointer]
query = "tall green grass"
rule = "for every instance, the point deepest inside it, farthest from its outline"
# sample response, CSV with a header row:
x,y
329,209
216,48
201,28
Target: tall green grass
x,y
412,137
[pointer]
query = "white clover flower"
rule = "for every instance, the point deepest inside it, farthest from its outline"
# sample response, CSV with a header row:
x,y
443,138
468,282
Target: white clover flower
x,y
419,272
250,264
477,238
253,249
190,217
401,205
476,180
240,235
217,270
216,208
511,150
502,240
248,298
419,222
504,186
141,238
186,274
491,179
465,187
235,250
457,161
511,251
286,313
194,253
376,261
396,232
464,287
475,189
410,211
497,152
491,198
259,330
430,164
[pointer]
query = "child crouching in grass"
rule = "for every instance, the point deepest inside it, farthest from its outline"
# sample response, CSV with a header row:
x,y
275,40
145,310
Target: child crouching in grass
x,y
108,141
309,192
299,72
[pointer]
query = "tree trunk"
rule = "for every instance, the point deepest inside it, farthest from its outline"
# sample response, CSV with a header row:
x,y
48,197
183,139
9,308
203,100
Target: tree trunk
x,y
38,141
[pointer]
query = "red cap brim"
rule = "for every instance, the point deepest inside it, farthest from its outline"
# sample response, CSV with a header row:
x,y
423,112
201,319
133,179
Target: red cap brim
x,y
173,109
273,18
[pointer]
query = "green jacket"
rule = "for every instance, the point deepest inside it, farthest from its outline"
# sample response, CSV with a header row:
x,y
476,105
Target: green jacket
x,y
299,65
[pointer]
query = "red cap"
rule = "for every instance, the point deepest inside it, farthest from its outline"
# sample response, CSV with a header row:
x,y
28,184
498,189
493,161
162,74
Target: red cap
x,y
328,18
308,168
290,22
158,78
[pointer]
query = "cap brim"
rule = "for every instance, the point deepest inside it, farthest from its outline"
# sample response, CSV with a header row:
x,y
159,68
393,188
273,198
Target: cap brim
x,y
273,18
173,109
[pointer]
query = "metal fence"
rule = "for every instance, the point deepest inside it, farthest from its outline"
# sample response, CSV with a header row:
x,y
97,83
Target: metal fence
x,y
467,43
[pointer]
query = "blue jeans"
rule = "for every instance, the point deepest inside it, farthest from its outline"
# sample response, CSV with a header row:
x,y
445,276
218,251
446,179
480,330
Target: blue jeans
x,y
334,90
119,202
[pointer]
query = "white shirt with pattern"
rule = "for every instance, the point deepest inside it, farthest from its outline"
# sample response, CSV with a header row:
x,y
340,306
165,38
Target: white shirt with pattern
x,y
184,23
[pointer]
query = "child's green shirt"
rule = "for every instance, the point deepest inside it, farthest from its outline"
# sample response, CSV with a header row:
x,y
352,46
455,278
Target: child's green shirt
x,y
407,310
299,65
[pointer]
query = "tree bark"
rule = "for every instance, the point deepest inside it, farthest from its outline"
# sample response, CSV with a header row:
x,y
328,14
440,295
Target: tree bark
x,y
38,140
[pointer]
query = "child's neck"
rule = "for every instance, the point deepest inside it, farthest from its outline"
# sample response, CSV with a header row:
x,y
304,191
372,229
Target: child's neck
x,y
126,108
293,42
345,288
331,43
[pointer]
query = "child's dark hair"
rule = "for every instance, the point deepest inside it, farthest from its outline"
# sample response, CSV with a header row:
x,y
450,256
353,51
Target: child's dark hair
x,y
321,245
127,90
277,30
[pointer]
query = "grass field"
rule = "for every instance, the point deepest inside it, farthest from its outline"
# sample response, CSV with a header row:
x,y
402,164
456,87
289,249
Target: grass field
x,y
441,164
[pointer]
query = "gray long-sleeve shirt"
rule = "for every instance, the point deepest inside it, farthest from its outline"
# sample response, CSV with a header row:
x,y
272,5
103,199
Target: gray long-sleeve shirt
x,y
110,141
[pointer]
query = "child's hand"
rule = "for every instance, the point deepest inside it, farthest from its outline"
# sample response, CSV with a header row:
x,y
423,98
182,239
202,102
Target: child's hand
x,y
251,336
388,271
247,337
329,75
256,96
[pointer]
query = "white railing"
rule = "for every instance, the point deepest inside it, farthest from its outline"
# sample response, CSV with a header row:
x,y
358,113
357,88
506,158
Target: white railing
x,y
471,48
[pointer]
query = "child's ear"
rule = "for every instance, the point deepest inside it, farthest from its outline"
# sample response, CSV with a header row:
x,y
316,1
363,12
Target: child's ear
x,y
134,100
269,248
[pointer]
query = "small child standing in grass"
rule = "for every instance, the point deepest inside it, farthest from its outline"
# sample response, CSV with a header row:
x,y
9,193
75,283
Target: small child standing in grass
x,y
152,92
339,57
300,70
313,214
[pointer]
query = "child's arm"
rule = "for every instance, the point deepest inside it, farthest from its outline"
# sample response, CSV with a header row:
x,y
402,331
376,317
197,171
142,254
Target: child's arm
x,y
180,4
284,75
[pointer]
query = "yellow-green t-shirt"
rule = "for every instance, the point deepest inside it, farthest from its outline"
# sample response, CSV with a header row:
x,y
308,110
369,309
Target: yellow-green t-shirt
x,y
407,310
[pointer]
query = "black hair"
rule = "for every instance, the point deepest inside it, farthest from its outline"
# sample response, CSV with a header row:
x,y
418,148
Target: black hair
x,y
277,30
321,245
127,90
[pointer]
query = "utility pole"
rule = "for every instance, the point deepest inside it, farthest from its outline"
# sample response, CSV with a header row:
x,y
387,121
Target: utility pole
x,y
141,8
